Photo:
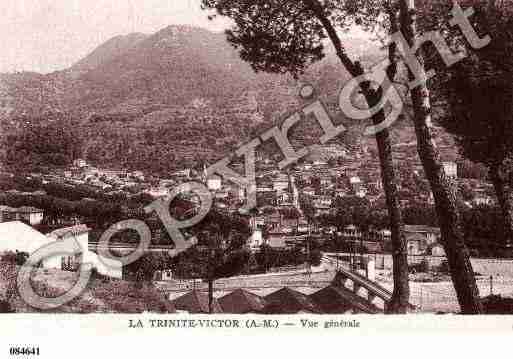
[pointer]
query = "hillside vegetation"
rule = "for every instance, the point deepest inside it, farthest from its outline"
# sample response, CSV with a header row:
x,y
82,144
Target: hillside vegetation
x,y
176,98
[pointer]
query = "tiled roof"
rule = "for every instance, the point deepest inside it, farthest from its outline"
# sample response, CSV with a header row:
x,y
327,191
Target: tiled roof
x,y
26,209
289,301
75,230
421,229
23,209
339,300
241,301
196,302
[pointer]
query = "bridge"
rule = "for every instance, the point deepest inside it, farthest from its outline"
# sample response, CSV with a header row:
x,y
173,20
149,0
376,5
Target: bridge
x,y
363,287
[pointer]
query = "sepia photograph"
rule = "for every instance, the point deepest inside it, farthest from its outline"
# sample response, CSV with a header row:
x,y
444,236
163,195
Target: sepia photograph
x,y
239,164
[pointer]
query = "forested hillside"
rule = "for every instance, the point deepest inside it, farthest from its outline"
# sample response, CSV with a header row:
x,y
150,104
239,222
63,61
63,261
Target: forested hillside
x,y
162,101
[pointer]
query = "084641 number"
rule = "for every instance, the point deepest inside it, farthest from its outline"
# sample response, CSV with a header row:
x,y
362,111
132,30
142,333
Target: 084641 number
x,y
24,351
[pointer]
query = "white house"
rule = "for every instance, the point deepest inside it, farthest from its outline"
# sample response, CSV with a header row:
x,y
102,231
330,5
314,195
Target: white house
x,y
80,163
421,238
281,184
481,200
362,192
355,180
18,236
451,169
164,275
80,234
303,226
430,235
356,185
256,240
214,183
183,173
437,250
323,201
157,192
30,215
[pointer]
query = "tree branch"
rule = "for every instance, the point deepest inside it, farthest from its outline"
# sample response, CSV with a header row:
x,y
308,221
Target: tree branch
x,y
354,68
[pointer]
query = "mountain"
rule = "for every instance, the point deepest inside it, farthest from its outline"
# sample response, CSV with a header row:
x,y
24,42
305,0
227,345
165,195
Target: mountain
x,y
108,51
170,68
168,99
138,73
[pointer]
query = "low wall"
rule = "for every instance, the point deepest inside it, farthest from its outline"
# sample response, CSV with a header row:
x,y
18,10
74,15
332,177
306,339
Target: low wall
x,y
484,266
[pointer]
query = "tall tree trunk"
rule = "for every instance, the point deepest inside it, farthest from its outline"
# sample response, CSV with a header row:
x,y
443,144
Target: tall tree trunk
x,y
400,299
210,296
504,192
444,193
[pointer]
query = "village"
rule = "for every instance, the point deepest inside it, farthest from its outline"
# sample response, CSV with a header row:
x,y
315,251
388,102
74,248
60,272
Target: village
x,y
218,177
117,155
296,213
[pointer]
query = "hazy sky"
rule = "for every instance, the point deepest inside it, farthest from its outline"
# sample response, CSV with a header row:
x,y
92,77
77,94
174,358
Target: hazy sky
x,y
48,35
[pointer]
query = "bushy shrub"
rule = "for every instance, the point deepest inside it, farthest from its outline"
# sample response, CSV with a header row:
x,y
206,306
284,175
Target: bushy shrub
x,y
8,257
21,258
424,266
495,304
444,267
126,297
18,258
5,307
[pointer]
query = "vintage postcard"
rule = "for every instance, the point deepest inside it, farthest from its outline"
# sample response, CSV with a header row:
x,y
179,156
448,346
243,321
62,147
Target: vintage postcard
x,y
318,168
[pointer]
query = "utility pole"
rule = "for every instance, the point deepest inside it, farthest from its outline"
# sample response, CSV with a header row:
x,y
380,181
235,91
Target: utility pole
x,y
350,247
210,275
361,249
421,295
308,261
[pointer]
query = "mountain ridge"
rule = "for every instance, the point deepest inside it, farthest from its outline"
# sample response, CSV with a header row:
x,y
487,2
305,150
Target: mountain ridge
x,y
179,95
115,46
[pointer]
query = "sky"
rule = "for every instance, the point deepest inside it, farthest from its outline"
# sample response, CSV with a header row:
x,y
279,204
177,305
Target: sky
x,y
49,35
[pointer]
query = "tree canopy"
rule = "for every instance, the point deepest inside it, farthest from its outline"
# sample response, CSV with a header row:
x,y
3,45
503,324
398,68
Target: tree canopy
x,y
41,143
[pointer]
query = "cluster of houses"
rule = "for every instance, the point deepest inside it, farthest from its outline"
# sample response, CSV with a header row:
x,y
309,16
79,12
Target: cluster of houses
x,y
279,193
323,180
82,173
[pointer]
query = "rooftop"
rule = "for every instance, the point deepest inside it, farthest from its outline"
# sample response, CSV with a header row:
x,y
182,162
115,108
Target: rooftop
x,y
196,302
74,230
290,301
339,300
421,229
241,301
24,236
23,209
